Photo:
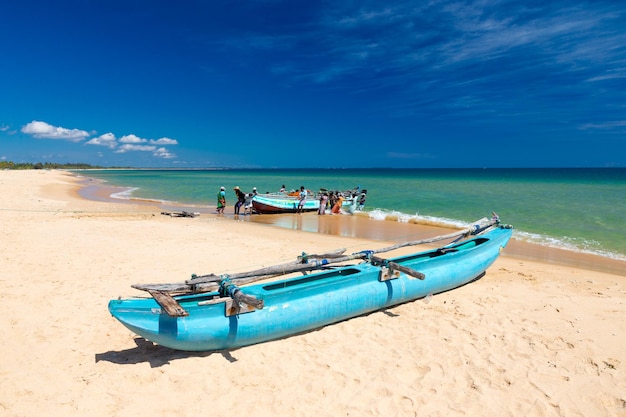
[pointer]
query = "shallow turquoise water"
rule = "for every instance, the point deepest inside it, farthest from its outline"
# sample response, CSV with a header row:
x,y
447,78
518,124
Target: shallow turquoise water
x,y
577,209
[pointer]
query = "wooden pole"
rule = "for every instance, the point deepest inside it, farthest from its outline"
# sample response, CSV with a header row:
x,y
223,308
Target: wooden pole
x,y
210,282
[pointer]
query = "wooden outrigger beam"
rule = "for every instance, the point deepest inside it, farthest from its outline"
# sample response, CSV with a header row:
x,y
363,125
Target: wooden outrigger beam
x,y
171,306
210,282
337,257
238,302
478,227
393,266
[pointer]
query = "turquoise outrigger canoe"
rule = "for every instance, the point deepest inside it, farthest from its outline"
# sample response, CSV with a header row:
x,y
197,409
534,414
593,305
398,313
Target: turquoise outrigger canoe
x,y
218,320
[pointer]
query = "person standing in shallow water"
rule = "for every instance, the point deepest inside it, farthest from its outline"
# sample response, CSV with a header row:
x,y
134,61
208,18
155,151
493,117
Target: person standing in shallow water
x,y
323,203
241,198
221,200
302,200
361,200
337,207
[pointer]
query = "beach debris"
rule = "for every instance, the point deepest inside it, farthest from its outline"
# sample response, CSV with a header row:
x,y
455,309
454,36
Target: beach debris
x,y
180,214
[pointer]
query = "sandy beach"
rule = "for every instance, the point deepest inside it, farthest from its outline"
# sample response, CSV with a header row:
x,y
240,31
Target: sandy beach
x,y
528,339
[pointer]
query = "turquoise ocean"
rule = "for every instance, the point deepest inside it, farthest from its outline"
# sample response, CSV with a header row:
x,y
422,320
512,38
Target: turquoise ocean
x,y
582,210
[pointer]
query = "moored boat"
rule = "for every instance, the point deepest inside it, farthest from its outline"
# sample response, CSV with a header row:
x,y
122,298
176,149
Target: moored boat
x,y
277,203
282,203
215,312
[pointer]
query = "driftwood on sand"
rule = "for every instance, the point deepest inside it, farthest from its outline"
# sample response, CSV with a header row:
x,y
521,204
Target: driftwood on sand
x,y
180,214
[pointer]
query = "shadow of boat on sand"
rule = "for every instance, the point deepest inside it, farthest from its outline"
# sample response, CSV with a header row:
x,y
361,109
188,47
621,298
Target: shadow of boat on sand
x,y
155,355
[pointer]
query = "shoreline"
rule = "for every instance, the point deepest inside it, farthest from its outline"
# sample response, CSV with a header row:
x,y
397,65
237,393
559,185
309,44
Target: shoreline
x,y
363,228
528,338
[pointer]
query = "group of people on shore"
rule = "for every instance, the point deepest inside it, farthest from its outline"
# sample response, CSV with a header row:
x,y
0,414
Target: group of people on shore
x,y
243,200
333,200
329,200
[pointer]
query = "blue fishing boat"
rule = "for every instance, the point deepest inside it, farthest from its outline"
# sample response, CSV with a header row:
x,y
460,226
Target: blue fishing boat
x,y
282,203
211,312
277,203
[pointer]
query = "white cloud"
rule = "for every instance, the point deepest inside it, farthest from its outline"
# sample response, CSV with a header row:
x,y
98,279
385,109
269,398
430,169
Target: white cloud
x,y
43,130
132,139
108,140
134,143
163,153
158,152
126,143
164,141
130,147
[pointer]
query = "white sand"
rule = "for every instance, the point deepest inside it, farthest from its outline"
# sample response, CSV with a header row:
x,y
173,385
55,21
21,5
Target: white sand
x,y
528,339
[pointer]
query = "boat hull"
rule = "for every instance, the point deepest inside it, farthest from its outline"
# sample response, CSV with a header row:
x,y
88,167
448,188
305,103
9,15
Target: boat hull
x,y
276,204
305,303
282,204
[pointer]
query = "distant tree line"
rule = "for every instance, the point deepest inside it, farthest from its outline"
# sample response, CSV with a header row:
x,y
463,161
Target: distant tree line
x,y
46,165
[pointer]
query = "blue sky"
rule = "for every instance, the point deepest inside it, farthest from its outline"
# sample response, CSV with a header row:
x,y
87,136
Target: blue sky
x,y
337,84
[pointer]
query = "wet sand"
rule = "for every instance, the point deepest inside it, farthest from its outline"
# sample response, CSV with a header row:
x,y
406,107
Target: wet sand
x,y
385,230
361,226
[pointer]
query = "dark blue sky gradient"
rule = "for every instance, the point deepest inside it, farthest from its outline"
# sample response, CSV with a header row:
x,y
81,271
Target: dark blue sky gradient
x,y
314,84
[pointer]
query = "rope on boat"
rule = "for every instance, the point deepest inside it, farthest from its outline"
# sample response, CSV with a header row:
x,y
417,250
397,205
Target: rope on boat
x,y
227,288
